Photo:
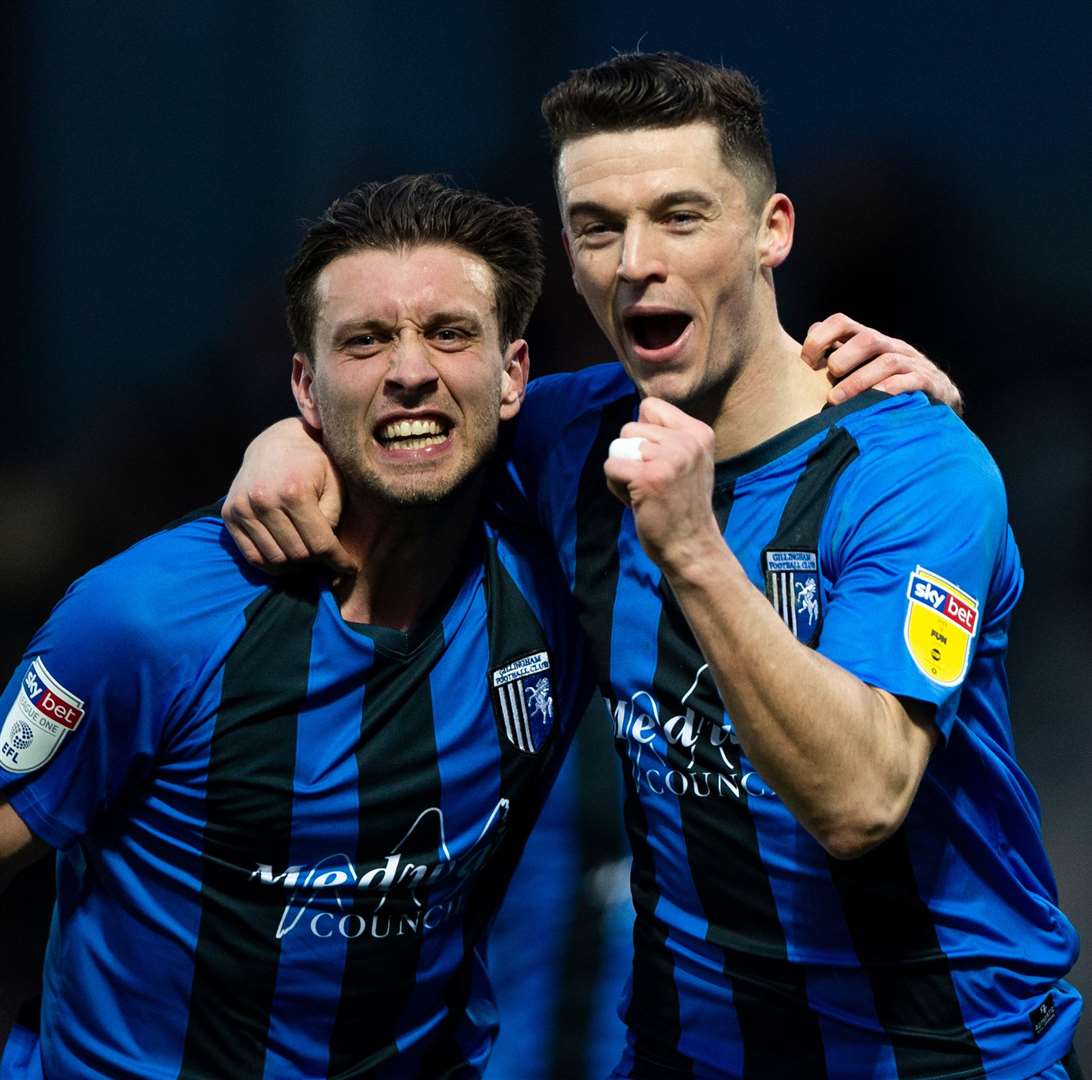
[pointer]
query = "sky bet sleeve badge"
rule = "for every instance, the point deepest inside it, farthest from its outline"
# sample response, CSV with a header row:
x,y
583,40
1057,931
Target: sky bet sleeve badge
x,y
941,621
792,586
43,713
524,700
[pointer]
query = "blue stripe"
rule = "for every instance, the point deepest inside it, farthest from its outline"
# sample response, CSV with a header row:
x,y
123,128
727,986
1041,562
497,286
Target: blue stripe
x,y
324,806
703,988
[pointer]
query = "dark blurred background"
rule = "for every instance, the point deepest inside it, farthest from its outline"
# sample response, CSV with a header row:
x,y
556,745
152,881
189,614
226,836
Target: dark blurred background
x,y
161,157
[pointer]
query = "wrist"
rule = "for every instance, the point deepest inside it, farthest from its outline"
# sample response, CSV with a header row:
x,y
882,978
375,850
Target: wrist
x,y
691,560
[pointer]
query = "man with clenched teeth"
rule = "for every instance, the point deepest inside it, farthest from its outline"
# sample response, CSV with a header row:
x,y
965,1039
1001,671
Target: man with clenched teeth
x,y
798,606
286,811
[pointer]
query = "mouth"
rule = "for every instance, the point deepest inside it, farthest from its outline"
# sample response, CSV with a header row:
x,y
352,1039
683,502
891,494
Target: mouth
x,y
418,433
657,334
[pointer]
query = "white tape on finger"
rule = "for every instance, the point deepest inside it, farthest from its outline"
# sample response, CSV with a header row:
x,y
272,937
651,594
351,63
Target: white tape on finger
x,y
627,449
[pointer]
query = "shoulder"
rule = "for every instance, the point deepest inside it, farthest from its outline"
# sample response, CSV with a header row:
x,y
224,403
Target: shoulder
x,y
557,403
525,557
920,478
911,445
162,596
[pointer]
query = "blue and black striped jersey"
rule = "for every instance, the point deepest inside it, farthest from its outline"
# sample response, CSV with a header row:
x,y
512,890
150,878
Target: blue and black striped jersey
x,y
282,837
878,531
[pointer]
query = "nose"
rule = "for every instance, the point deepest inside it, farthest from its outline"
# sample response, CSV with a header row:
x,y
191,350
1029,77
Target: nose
x,y
410,368
641,258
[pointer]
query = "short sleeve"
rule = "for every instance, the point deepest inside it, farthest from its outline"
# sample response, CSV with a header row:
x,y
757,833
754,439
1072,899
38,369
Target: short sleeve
x,y
920,563
83,712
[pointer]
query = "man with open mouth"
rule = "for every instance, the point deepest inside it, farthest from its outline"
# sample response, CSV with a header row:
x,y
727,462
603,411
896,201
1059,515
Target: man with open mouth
x,y
286,810
799,616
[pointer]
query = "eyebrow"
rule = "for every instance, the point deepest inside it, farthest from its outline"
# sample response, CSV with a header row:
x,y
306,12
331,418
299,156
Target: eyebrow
x,y
439,318
693,196
468,318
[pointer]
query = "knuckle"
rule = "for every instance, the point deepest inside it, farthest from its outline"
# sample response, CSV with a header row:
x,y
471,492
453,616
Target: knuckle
x,y
262,501
292,494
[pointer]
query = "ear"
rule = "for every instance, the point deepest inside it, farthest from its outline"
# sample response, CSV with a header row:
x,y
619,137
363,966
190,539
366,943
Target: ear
x,y
303,390
517,369
567,245
775,231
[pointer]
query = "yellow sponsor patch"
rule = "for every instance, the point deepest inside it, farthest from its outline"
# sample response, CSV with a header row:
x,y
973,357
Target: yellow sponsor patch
x,y
941,620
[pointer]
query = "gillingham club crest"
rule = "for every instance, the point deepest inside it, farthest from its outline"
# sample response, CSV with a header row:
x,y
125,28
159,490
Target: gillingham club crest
x,y
941,620
523,697
792,586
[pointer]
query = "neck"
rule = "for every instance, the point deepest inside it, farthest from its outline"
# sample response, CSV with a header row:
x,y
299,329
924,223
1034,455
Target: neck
x,y
408,556
772,390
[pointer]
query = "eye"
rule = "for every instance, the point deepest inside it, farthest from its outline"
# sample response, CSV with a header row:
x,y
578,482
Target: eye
x,y
596,233
682,220
449,338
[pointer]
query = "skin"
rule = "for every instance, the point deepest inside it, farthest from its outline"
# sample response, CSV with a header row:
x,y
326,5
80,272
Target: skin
x,y
635,241
644,236
409,335
655,220
398,335
19,847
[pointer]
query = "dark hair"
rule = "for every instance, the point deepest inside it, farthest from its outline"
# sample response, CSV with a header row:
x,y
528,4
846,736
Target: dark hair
x,y
416,210
653,90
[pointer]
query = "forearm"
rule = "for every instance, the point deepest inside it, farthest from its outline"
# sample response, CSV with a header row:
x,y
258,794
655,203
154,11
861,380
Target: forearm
x,y
845,757
19,847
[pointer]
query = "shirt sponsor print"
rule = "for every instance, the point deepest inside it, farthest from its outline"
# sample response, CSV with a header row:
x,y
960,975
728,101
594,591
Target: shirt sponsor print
x,y
43,713
941,620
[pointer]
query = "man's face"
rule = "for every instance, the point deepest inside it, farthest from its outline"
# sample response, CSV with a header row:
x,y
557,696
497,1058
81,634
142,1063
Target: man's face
x,y
668,253
408,380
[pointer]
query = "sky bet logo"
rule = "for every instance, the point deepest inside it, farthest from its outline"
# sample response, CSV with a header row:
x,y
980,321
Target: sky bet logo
x,y
43,713
940,626
944,601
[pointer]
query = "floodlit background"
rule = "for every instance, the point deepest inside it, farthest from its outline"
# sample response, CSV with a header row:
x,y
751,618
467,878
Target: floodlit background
x,y
161,156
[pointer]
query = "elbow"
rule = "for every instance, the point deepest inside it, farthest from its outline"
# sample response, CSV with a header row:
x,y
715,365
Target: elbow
x,y
855,833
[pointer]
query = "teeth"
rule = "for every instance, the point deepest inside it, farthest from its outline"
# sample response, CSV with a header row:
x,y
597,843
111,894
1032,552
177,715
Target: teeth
x,y
419,443
404,429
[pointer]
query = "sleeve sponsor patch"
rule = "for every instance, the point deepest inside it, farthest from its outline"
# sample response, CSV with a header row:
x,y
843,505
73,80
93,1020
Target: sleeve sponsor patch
x,y
43,713
941,621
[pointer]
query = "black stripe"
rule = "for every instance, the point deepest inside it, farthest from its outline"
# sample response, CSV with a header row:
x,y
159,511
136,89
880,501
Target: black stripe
x,y
598,522
1072,1066
399,779
889,924
514,631
248,800
893,933
802,519
807,504
654,1003
600,842
780,1034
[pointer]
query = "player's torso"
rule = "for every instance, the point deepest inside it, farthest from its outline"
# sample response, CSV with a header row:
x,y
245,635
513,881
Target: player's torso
x,y
756,953
310,866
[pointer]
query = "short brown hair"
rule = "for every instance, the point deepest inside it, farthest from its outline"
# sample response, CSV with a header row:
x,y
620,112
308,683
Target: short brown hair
x,y
652,90
415,210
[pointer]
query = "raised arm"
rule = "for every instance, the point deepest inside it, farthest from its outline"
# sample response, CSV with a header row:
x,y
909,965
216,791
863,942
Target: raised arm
x,y
845,757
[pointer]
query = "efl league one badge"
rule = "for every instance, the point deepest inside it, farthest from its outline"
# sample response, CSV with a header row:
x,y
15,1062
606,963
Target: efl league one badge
x,y
524,700
941,620
792,586
43,713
